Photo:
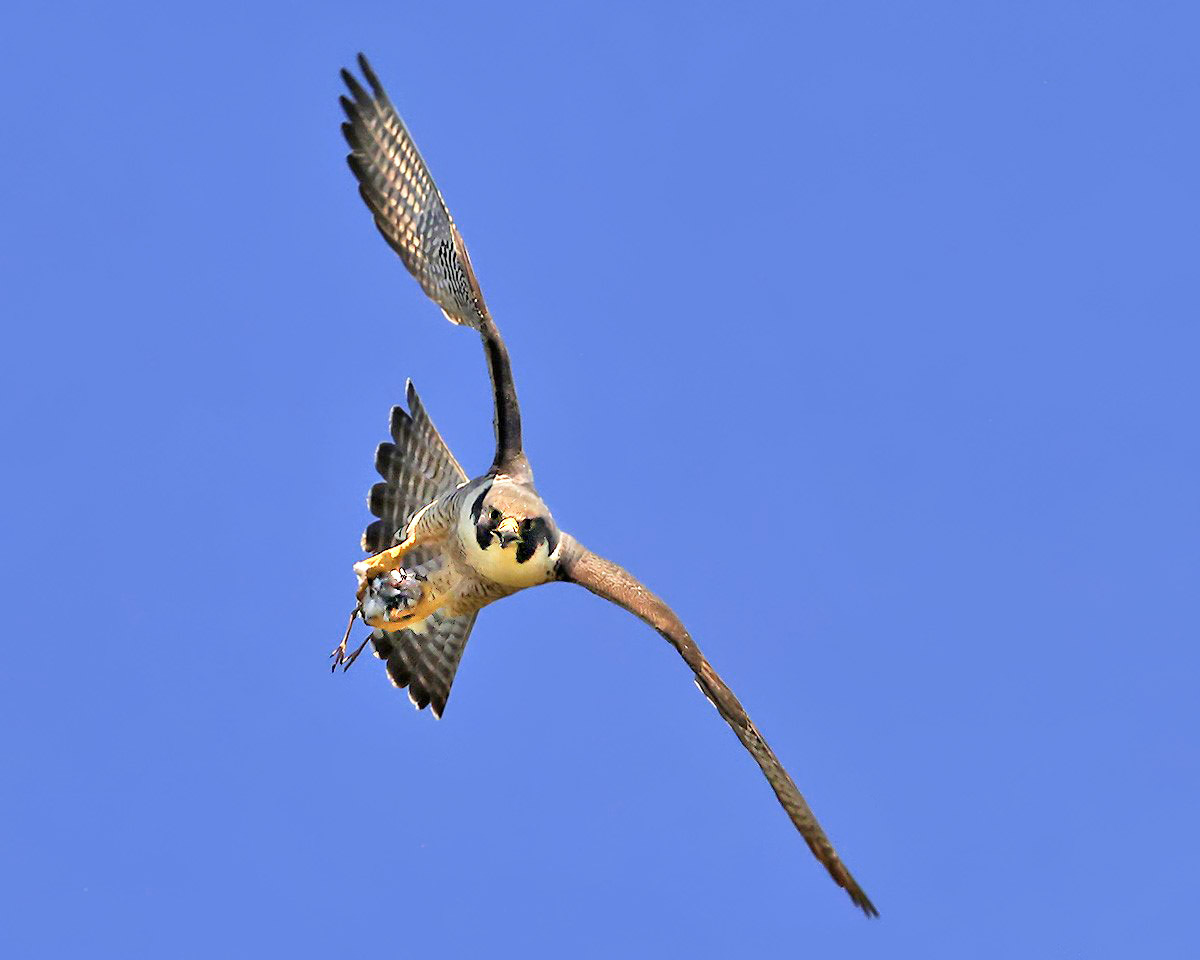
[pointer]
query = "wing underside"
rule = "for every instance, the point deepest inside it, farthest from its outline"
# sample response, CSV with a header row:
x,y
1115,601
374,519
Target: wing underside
x,y
407,205
425,660
413,218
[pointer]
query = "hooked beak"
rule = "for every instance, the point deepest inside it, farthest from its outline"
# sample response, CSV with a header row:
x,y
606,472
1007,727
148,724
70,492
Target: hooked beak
x,y
507,531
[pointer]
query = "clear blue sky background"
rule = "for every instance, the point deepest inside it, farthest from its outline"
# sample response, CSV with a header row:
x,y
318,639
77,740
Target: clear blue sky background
x,y
888,312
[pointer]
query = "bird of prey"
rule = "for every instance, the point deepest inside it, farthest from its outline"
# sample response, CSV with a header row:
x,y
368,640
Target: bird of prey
x,y
444,545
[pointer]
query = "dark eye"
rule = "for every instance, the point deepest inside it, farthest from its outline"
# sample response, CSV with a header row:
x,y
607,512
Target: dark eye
x,y
525,525
495,514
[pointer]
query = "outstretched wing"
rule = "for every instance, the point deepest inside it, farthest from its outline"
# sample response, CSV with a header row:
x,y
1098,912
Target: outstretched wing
x,y
413,218
605,579
417,467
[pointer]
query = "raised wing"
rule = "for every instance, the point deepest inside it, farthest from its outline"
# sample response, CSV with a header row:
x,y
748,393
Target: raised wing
x,y
409,209
413,218
417,467
605,579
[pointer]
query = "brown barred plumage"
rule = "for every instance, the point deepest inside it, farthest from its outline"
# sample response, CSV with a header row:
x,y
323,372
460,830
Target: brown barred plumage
x,y
454,541
417,467
408,207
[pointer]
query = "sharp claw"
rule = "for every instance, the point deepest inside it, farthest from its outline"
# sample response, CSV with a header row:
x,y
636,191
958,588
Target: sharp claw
x,y
339,652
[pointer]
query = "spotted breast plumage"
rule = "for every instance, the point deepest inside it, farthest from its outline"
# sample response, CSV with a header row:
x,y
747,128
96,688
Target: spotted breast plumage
x,y
444,546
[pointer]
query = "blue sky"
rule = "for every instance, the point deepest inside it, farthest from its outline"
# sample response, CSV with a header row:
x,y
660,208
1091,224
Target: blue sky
x,y
888,312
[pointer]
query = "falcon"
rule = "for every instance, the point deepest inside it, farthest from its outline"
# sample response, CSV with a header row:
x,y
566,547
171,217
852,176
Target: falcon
x,y
444,546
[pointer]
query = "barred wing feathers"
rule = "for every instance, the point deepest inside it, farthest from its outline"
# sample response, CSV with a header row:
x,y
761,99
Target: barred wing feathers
x,y
417,467
408,207
425,660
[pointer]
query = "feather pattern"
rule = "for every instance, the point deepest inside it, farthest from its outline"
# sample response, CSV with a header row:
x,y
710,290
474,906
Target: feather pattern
x,y
408,207
417,468
425,660
413,218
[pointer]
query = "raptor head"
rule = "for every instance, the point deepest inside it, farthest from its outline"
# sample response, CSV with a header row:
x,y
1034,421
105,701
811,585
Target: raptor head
x,y
513,529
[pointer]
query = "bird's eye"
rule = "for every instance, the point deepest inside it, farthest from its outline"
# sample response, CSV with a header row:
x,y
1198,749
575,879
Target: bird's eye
x,y
495,515
525,525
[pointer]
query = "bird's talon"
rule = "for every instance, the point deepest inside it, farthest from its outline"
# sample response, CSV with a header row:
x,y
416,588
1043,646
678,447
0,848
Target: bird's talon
x,y
339,652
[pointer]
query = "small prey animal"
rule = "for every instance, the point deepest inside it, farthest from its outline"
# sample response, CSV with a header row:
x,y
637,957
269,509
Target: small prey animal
x,y
444,546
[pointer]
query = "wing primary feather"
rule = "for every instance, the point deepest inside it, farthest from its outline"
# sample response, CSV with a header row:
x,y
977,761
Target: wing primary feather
x,y
373,80
375,537
360,95
383,458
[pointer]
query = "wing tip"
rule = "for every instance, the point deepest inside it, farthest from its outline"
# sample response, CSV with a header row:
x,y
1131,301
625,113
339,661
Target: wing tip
x,y
384,454
863,902
399,422
369,74
846,881
355,161
374,537
403,679
361,97
381,501
418,695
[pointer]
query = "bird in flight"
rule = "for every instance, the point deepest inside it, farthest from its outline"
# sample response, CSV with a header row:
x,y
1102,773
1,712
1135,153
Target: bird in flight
x,y
444,546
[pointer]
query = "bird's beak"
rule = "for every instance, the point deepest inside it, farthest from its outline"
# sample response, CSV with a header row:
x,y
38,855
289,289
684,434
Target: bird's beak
x,y
508,531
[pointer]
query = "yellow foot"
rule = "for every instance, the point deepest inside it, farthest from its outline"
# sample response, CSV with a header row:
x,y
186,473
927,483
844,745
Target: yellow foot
x,y
376,566
402,619
382,579
397,599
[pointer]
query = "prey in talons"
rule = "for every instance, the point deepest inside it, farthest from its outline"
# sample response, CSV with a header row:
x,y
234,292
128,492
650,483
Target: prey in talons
x,y
388,600
395,599
443,546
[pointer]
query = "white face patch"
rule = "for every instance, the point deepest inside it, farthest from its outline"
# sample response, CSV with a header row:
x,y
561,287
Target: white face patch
x,y
498,563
